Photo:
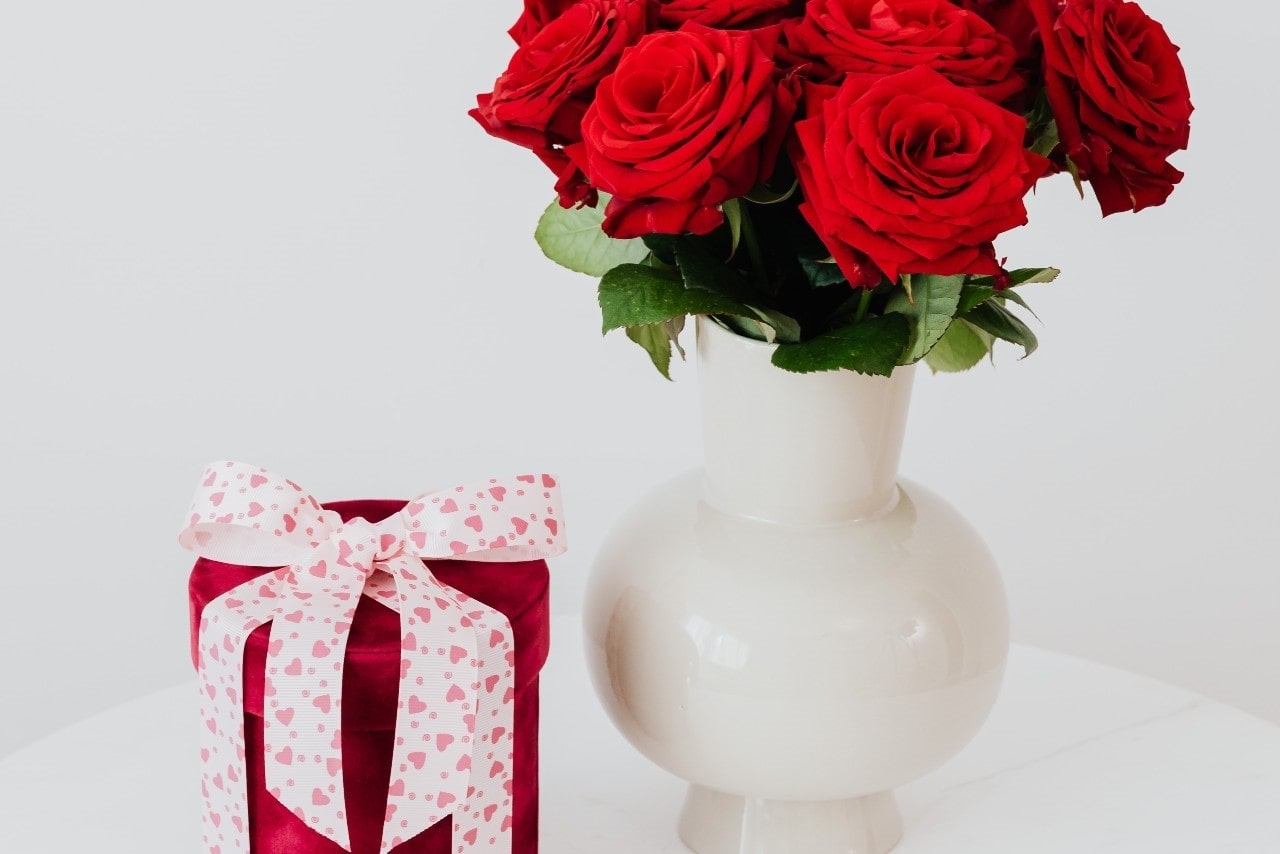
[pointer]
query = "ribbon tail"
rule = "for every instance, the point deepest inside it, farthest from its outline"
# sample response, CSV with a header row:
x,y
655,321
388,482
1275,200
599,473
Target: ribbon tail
x,y
302,706
485,822
225,626
431,765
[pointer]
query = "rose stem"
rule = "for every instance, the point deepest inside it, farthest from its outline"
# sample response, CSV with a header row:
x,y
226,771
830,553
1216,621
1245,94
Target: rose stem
x,y
753,244
863,304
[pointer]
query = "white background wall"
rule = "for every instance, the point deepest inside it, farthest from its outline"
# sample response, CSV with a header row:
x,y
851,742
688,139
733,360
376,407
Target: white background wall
x,y
268,231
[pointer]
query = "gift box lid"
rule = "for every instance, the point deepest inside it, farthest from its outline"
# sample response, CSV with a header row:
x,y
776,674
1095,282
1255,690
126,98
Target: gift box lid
x,y
519,589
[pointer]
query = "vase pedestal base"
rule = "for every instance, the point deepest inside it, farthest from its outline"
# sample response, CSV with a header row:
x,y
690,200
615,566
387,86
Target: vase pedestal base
x,y
718,823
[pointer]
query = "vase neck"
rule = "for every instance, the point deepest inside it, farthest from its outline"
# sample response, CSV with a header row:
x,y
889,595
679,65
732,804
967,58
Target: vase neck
x,y
817,448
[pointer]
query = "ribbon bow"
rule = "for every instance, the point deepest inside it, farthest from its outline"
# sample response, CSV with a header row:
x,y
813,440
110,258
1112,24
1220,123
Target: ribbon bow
x,y
458,663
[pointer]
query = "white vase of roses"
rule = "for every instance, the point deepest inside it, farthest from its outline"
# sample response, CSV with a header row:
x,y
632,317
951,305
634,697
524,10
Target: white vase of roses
x,y
821,184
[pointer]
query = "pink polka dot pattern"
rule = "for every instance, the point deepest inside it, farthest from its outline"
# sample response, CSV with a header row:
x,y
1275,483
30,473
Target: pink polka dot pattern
x,y
454,725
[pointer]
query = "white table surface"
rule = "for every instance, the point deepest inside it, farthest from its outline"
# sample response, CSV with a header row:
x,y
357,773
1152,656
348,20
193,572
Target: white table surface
x,y
1076,757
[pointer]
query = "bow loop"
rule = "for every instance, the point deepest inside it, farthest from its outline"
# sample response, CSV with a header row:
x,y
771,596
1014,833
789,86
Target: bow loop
x,y
249,516
494,522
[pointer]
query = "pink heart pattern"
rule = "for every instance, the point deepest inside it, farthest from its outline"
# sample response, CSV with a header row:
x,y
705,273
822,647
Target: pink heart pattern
x,y
457,666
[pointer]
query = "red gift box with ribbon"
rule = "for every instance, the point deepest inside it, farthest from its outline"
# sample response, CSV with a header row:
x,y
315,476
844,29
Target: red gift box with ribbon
x,y
369,669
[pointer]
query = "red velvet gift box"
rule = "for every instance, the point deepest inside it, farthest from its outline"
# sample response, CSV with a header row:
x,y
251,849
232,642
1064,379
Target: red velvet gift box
x,y
371,679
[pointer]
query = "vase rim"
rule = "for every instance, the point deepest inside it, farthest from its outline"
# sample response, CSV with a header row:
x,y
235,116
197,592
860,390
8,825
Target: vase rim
x,y
714,327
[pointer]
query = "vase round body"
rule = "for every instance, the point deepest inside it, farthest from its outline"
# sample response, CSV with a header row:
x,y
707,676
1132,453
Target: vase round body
x,y
792,629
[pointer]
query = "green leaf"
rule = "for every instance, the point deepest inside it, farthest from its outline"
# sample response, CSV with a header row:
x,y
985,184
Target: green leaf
x,y
658,264
657,340
663,246
1048,140
1021,276
1075,176
785,329
1033,276
960,348
572,238
823,273
936,301
972,296
762,194
982,288
636,294
674,327
748,327
994,318
871,346
701,269
733,217
1014,296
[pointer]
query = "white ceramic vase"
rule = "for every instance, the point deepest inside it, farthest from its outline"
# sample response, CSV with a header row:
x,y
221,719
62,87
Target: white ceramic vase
x,y
792,629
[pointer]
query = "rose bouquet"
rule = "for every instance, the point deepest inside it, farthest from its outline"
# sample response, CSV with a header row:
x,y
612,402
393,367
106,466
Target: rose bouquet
x,y
830,175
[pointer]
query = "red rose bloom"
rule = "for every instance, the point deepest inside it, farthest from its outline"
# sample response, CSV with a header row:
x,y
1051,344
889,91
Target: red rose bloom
x,y
1119,94
539,101
912,175
726,14
688,120
870,39
1012,19
537,14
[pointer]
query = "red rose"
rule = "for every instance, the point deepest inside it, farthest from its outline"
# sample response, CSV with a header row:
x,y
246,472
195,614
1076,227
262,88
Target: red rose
x,y
726,14
912,175
870,39
1119,94
539,101
1012,19
537,14
689,119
